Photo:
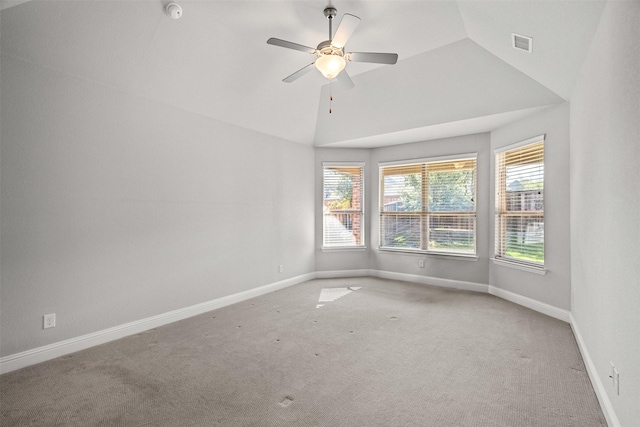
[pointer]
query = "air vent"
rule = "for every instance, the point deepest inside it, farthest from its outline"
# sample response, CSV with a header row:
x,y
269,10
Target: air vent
x,y
521,42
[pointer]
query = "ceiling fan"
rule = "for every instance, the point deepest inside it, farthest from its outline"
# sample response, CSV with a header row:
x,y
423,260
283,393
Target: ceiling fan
x,y
331,57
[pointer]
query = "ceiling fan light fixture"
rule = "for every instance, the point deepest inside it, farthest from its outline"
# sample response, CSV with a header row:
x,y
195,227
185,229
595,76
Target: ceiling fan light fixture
x,y
330,65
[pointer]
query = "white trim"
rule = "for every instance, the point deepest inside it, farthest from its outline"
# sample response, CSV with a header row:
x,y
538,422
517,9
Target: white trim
x,y
430,254
598,387
520,266
434,281
464,156
339,164
540,307
343,248
520,144
51,351
337,274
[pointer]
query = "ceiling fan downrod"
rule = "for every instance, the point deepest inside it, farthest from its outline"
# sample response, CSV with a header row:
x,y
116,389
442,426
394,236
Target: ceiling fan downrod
x,y
330,13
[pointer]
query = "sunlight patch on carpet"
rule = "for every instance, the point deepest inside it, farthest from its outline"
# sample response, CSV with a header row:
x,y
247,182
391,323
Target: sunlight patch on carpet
x,y
332,294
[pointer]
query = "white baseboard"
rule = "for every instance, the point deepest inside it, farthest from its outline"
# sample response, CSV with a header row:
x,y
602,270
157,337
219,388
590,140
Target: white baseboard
x,y
540,307
434,281
335,274
598,387
51,351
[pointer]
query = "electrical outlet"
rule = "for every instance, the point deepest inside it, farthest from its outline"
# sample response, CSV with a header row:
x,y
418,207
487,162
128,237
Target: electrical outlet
x,y
421,263
281,268
49,321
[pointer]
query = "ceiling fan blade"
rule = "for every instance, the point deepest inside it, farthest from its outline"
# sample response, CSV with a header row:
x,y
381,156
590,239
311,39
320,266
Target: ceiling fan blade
x,y
374,57
348,25
290,45
344,81
301,72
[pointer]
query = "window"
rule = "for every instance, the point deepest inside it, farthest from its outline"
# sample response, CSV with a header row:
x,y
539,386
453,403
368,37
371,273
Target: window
x,y
343,205
429,206
520,203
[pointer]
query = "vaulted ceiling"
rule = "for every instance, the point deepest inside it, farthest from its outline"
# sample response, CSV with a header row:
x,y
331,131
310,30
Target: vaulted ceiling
x,y
457,72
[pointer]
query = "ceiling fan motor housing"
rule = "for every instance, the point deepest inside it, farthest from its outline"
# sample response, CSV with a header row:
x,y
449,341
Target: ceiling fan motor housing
x,y
326,48
324,44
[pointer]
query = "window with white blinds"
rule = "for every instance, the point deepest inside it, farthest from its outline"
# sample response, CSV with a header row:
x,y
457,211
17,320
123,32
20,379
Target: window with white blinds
x,y
343,205
429,206
520,203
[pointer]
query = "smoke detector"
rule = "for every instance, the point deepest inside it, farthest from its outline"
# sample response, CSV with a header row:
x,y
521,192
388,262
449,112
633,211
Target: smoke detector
x,y
174,10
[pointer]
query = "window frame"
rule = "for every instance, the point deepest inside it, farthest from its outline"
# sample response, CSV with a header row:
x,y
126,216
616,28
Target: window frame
x,y
425,214
501,212
360,211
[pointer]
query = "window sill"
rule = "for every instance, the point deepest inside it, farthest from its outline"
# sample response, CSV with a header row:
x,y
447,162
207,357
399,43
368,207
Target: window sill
x,y
432,254
343,248
518,266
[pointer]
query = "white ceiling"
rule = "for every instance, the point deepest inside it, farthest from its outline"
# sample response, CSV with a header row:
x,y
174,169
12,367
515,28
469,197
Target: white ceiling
x,y
457,72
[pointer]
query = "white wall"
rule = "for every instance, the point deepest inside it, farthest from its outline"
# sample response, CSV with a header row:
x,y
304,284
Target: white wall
x,y
554,288
605,204
115,208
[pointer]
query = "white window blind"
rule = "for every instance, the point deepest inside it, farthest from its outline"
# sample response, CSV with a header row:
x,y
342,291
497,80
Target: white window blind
x,y
429,206
520,203
343,205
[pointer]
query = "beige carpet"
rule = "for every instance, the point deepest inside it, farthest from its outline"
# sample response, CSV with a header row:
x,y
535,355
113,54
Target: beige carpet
x,y
363,352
